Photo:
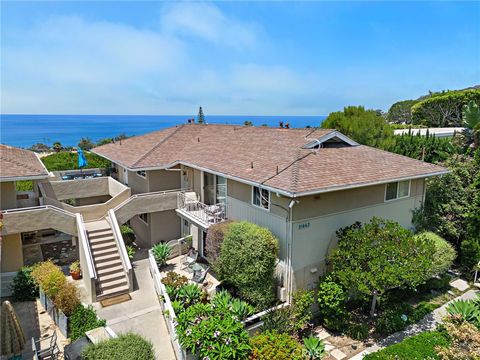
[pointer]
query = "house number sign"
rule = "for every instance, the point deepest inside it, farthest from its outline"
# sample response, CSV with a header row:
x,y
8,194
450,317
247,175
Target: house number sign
x,y
303,226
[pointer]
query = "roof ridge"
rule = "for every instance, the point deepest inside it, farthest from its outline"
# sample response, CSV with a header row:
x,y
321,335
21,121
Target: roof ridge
x,y
19,163
157,145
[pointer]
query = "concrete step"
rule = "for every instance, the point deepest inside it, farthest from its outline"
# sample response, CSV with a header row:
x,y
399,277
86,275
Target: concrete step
x,y
101,240
112,249
113,284
113,276
103,245
110,270
103,258
100,236
113,292
108,264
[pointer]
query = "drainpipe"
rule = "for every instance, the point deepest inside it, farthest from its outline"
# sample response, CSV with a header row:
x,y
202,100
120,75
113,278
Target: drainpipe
x,y
290,255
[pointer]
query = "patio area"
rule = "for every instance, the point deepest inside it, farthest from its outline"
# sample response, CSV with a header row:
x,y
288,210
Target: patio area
x,y
178,265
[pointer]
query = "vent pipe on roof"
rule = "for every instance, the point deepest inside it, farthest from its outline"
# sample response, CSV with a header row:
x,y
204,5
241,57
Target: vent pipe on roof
x,y
251,165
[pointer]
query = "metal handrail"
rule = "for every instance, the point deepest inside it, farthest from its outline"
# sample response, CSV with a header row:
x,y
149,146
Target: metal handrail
x,y
82,235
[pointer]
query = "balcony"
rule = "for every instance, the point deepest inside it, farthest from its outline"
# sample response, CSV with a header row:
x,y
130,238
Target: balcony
x,y
199,213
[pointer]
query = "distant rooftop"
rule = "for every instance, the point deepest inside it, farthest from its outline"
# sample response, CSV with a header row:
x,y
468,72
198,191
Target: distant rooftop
x,y
20,164
291,161
438,132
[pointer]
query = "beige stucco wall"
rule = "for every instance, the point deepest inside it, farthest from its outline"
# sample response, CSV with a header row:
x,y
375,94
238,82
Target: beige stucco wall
x,y
8,195
142,232
159,180
92,200
314,236
164,226
12,253
137,183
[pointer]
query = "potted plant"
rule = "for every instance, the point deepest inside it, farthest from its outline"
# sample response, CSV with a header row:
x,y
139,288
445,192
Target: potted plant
x,y
75,270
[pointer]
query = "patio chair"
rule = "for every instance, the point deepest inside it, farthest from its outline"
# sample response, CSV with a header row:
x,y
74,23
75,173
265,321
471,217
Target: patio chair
x,y
200,275
190,258
51,352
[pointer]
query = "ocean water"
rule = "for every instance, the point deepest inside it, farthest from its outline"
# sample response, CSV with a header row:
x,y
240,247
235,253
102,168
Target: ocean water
x,y
26,130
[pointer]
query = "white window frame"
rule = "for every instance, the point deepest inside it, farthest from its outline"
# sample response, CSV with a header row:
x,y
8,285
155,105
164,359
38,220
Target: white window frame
x,y
253,198
139,173
145,222
398,190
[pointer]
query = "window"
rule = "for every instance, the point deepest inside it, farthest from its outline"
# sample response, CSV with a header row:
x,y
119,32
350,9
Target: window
x,y
142,173
144,218
397,190
261,198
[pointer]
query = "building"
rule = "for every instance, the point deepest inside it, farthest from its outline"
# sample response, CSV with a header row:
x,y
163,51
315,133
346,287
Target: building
x,y
437,132
302,184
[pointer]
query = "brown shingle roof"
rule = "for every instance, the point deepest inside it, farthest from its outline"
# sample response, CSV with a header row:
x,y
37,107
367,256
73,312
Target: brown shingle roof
x,y
19,163
271,156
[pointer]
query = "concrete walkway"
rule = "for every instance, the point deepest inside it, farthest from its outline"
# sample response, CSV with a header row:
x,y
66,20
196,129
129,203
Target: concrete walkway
x,y
141,315
428,323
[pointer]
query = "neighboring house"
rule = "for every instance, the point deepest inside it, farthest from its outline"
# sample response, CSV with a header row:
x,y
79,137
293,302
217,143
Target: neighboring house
x,y
437,132
302,184
15,165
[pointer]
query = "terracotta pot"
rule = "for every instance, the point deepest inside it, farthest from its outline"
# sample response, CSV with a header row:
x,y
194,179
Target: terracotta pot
x,y
75,275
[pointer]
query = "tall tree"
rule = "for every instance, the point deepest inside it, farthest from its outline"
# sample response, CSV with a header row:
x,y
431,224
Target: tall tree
x,y
379,256
367,127
200,117
471,119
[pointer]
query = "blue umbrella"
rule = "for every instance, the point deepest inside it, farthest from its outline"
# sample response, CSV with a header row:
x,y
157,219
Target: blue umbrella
x,y
82,160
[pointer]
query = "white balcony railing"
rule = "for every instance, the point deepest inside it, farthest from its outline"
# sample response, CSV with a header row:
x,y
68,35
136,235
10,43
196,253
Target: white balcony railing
x,y
206,215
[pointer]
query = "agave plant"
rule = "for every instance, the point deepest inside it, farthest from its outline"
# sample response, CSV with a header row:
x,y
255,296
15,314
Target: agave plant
x,y
468,310
314,347
161,252
177,306
222,300
189,294
241,309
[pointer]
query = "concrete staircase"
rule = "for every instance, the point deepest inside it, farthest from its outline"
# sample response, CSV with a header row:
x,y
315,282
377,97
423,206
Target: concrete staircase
x,y
112,280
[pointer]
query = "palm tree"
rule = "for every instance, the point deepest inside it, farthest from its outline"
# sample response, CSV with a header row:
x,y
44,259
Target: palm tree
x,y
471,119
57,146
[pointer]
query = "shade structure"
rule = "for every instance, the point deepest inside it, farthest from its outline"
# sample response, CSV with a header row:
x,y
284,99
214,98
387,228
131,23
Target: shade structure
x,y
82,160
12,336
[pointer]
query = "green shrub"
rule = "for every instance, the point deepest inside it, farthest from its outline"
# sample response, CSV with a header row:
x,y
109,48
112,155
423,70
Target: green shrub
x,y
125,347
161,252
83,319
331,303
421,310
470,253
128,234
209,332
273,345
67,299
436,283
358,331
301,310
49,277
189,294
418,347
174,281
444,253
224,302
247,262
393,320
69,161
24,185
23,285
213,242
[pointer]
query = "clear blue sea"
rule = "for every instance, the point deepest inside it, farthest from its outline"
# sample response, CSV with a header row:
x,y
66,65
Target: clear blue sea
x,y
26,130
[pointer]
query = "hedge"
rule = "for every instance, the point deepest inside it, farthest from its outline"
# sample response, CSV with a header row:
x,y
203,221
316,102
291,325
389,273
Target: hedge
x,y
418,347
69,161
125,347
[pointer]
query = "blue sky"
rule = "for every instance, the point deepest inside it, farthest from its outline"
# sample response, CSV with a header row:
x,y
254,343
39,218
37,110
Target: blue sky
x,y
243,58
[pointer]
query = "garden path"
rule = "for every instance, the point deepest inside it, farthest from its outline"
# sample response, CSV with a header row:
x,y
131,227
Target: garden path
x,y
429,322
142,314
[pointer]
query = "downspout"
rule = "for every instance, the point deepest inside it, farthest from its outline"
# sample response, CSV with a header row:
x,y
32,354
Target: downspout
x,y
290,256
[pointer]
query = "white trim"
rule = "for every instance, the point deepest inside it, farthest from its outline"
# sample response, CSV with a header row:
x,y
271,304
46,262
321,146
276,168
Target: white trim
x,y
259,206
329,136
398,189
21,178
